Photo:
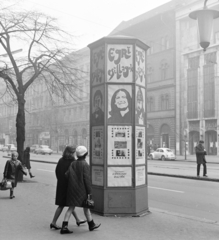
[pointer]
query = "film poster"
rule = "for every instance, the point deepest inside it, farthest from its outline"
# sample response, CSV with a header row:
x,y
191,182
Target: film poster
x,y
97,145
119,145
140,175
97,175
120,104
119,63
140,145
97,65
119,176
97,115
140,66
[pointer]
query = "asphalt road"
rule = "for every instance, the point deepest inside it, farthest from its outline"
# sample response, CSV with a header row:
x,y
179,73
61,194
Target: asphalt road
x,y
195,199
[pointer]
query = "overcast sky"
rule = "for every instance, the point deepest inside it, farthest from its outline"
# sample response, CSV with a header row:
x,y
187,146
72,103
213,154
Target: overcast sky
x,y
92,19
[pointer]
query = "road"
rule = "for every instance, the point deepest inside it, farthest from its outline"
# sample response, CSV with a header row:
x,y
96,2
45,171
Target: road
x,y
193,198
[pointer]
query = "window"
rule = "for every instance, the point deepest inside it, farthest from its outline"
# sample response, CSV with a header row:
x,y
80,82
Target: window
x,y
163,69
150,104
216,37
149,74
164,102
209,86
192,87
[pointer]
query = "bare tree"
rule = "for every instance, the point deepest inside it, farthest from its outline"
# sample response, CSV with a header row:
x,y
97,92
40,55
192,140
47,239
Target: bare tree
x,y
46,55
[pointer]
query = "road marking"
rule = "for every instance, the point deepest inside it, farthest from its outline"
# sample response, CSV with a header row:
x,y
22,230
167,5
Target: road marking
x,y
165,189
45,170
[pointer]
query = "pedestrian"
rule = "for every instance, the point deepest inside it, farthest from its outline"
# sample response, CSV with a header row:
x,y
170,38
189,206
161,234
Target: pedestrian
x,y
11,171
200,158
27,161
79,187
62,184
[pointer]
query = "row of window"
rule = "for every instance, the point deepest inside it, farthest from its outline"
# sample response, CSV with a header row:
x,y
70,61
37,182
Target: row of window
x,y
163,72
164,103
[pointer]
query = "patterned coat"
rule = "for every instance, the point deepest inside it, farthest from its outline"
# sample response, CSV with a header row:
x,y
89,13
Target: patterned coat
x,y
79,183
200,154
62,181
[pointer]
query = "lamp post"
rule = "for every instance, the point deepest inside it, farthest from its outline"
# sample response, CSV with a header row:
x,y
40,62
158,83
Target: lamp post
x,y
205,23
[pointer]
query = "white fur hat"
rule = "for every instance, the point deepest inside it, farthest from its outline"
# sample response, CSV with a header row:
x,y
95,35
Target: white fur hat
x,y
81,150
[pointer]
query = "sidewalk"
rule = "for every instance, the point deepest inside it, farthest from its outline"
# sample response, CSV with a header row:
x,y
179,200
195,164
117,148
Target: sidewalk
x,y
28,215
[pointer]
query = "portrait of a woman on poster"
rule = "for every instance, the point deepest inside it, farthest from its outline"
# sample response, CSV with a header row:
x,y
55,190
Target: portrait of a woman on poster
x,y
121,107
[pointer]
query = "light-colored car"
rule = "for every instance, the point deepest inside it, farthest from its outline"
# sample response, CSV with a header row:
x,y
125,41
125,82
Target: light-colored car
x,y
43,149
163,154
33,147
9,147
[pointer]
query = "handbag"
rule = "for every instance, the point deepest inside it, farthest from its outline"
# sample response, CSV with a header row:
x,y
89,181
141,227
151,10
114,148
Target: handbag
x,y
89,202
5,184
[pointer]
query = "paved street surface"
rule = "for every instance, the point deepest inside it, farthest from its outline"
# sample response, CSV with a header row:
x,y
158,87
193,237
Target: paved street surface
x,y
28,215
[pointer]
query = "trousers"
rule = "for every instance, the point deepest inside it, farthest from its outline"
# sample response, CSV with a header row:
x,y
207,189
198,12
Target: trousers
x,y
204,168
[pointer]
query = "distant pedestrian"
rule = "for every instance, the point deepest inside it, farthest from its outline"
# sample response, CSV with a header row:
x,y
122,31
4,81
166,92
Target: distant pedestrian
x,y
62,184
200,158
79,187
12,168
27,161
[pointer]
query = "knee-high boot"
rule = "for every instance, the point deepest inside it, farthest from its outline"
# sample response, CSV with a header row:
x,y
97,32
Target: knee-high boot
x,y
92,225
65,229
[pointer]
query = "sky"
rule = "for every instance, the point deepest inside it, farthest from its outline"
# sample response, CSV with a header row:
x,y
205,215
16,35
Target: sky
x,y
90,20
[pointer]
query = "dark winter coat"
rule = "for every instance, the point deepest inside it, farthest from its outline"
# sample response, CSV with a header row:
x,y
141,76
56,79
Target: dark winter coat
x,y
62,181
200,154
27,159
79,183
12,168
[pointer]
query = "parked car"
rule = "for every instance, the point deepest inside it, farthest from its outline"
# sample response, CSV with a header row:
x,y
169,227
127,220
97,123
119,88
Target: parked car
x,y
163,154
33,147
43,149
9,147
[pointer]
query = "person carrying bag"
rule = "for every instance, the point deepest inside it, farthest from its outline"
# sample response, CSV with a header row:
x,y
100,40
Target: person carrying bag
x,y
12,168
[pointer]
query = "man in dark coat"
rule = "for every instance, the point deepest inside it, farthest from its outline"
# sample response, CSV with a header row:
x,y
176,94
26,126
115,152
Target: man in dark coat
x,y
200,158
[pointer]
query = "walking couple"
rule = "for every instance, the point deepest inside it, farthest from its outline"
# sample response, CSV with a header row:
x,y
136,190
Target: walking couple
x,y
73,187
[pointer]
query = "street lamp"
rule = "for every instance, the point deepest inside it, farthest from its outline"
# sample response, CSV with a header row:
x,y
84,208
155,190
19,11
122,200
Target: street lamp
x,y
205,22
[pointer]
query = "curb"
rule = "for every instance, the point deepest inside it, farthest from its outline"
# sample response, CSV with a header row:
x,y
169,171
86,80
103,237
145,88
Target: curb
x,y
185,176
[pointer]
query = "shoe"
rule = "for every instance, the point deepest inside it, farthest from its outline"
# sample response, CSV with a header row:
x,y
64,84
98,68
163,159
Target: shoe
x,y
92,225
81,222
31,175
54,226
198,176
65,230
205,176
11,197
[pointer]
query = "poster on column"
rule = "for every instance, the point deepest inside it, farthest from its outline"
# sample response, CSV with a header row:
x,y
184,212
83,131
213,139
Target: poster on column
x,y
140,106
140,175
119,176
119,145
119,104
140,145
97,175
97,145
140,65
97,65
97,116
119,63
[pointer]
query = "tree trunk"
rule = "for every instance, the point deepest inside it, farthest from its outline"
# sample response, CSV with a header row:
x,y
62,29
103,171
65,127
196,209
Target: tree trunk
x,y
20,127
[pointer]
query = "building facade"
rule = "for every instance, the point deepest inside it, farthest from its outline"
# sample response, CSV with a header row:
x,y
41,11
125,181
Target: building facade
x,y
197,79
